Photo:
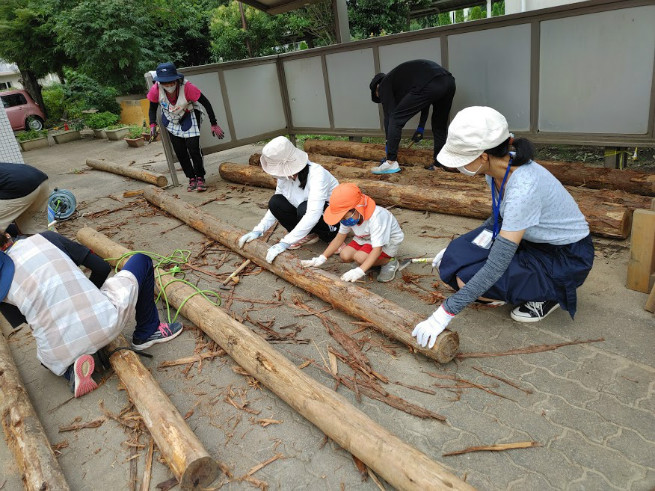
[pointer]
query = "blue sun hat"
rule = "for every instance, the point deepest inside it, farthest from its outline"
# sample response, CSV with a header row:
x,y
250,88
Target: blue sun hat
x,y
6,275
166,72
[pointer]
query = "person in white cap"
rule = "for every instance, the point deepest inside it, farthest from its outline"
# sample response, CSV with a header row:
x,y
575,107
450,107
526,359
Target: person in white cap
x,y
302,193
535,250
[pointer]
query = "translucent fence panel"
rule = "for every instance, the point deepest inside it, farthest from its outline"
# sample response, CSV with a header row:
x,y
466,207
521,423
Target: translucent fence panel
x,y
307,94
596,72
210,86
492,68
349,74
255,100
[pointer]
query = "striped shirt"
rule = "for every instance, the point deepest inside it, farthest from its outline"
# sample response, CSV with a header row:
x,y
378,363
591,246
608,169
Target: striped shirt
x,y
68,314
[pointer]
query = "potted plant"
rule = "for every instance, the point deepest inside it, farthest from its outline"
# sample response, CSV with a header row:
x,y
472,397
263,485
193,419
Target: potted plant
x,y
33,139
134,138
98,121
67,135
146,136
116,132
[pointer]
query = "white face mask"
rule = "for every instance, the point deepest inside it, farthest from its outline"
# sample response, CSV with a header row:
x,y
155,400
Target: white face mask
x,y
467,172
170,89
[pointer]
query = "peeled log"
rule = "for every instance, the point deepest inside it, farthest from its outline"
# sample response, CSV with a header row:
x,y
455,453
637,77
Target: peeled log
x,y
139,174
23,430
402,465
574,174
183,452
470,200
385,316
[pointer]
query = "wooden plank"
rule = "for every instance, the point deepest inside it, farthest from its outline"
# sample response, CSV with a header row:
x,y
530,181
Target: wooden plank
x,y
650,303
642,250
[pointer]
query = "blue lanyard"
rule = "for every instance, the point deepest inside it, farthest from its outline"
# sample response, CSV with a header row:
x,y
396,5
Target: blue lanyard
x,y
495,205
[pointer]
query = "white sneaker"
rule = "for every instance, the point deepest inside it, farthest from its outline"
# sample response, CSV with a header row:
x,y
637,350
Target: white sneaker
x,y
386,167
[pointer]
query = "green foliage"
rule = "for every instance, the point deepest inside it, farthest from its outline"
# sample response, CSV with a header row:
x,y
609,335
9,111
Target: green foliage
x,y
53,98
115,127
369,18
89,93
498,8
135,131
31,135
476,13
97,121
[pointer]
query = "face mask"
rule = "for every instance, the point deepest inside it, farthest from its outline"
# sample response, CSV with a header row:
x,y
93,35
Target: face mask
x,y
467,172
349,222
170,89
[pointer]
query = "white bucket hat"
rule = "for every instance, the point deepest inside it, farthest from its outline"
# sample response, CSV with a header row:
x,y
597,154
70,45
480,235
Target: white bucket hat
x,y
281,158
472,131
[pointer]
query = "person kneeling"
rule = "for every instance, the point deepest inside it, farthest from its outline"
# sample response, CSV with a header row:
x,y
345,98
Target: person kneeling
x,y
377,234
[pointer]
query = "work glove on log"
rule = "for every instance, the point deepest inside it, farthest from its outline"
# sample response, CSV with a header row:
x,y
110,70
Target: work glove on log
x,y
249,237
426,332
353,275
418,135
275,251
217,131
315,262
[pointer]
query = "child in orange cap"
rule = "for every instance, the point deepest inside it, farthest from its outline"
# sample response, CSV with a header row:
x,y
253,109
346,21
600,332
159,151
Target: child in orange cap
x,y
377,234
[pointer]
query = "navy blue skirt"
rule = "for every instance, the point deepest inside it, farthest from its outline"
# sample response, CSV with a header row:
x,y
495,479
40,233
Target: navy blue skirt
x,y
538,272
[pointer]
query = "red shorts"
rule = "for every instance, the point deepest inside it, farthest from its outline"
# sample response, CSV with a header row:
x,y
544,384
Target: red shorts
x,y
367,248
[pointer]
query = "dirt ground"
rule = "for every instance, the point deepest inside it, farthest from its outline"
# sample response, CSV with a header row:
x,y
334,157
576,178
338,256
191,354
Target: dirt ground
x,y
590,407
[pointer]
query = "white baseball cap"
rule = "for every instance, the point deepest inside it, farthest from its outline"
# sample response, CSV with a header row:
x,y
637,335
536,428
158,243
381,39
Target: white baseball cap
x,y
472,131
281,158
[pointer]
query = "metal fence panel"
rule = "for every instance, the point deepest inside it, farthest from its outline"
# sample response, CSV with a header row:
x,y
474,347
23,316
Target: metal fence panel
x,y
596,72
307,92
210,86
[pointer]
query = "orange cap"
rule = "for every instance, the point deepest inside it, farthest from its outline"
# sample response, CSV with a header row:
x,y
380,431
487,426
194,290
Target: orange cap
x,y
346,197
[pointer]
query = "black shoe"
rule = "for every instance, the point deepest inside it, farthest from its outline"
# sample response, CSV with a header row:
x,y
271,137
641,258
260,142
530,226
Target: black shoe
x,y
534,311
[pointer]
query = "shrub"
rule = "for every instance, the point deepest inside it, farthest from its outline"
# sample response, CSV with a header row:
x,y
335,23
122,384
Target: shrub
x,y
101,120
115,127
54,99
135,131
87,93
30,135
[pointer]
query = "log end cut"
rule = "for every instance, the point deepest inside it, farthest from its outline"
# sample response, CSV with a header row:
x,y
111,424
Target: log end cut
x,y
447,346
200,473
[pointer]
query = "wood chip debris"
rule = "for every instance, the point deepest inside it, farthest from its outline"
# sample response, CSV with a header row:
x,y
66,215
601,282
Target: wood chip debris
x,y
499,447
76,425
537,348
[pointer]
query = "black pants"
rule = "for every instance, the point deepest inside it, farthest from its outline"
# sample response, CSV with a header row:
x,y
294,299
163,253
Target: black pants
x,y
438,93
289,216
187,150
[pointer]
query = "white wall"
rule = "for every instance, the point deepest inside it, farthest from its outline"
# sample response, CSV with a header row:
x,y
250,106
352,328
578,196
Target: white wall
x,y
514,6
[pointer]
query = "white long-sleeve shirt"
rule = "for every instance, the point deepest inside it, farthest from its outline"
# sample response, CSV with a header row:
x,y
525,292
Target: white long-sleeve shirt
x,y
319,187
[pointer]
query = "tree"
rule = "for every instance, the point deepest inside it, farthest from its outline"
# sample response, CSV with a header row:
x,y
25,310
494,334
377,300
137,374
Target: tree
x,y
29,42
376,17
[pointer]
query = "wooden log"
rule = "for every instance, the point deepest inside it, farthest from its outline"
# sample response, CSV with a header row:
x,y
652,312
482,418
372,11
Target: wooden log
x,y
472,200
650,303
23,430
139,174
574,174
402,465
183,452
642,251
386,316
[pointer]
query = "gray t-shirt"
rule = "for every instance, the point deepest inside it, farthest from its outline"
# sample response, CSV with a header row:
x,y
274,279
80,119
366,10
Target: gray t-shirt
x,y
535,201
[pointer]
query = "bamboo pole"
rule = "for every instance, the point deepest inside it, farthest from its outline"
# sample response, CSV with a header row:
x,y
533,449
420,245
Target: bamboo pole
x,y
139,174
462,199
183,452
403,466
386,316
574,174
23,430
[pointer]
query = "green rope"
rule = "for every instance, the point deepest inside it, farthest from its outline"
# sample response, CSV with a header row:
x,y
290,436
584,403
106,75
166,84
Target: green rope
x,y
178,257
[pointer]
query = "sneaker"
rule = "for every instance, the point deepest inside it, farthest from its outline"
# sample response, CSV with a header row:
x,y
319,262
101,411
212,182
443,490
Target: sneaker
x,y
388,271
306,240
200,184
386,167
534,311
82,371
193,185
165,332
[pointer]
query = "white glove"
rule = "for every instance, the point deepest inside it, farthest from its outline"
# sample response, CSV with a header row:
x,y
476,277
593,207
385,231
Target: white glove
x,y
249,237
426,332
353,275
275,250
436,262
315,262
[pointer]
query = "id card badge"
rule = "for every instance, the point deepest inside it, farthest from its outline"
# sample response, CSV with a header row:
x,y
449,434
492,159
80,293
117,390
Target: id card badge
x,y
484,239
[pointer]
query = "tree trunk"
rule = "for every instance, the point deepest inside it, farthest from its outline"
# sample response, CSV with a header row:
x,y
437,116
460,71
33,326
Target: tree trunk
x,y
386,316
574,174
31,84
403,466
469,200
183,452
139,174
23,430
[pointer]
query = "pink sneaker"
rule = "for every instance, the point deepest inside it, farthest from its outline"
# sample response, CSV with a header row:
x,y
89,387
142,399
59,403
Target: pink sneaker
x,y
83,369
308,239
